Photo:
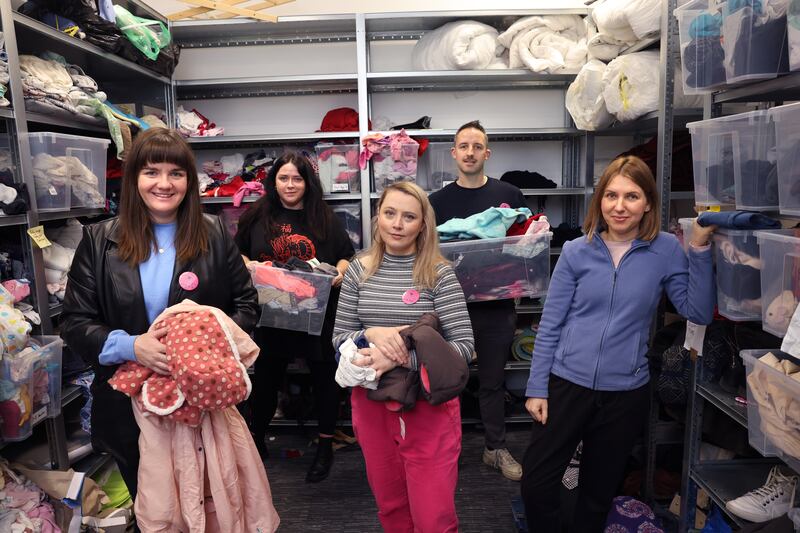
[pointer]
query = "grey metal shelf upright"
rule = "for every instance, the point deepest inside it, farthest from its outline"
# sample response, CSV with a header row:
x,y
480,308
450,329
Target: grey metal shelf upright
x,y
725,480
124,81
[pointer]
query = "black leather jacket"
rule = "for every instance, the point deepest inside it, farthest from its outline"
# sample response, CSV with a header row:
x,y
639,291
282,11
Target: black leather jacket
x,y
104,293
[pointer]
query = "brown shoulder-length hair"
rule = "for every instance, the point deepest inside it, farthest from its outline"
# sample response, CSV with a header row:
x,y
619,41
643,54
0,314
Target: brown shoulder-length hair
x,y
425,274
637,171
136,239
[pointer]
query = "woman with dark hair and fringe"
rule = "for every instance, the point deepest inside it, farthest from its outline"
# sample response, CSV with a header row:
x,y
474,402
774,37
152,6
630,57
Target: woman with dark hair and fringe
x,y
589,374
293,221
160,250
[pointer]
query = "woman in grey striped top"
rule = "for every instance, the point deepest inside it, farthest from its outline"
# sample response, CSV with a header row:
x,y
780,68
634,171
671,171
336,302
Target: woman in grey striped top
x,y
411,456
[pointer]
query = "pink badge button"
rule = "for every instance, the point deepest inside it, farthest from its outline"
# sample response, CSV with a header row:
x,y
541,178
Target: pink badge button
x,y
410,297
504,205
188,281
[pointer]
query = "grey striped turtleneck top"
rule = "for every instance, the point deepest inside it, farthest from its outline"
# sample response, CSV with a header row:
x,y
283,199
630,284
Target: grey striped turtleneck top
x,y
379,302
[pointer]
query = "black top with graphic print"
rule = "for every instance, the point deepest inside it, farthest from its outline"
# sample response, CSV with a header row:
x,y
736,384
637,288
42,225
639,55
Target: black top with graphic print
x,y
295,241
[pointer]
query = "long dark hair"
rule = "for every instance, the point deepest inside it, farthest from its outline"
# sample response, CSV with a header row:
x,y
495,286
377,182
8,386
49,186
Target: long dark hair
x,y
319,215
136,238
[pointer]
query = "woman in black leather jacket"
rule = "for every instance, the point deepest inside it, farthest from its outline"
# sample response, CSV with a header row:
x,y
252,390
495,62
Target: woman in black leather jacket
x,y
160,250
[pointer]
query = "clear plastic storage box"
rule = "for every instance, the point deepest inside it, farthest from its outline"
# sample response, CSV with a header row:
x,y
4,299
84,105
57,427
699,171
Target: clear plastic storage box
x,y
68,170
687,226
786,119
499,269
754,42
756,171
292,299
16,398
738,276
387,169
438,168
230,217
780,278
773,410
702,55
715,156
350,217
47,371
338,168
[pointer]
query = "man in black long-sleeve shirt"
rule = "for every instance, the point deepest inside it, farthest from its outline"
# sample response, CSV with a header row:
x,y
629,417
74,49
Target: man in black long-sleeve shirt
x,y
493,322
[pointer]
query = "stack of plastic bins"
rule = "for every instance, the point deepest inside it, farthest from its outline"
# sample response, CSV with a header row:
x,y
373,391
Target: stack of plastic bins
x,y
786,119
294,300
387,170
338,168
754,42
440,167
757,176
773,421
738,274
780,278
47,376
350,217
687,226
702,55
69,170
793,34
16,398
715,156
499,269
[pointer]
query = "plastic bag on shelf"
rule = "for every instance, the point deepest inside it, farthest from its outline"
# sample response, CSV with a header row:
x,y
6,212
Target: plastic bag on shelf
x,y
148,35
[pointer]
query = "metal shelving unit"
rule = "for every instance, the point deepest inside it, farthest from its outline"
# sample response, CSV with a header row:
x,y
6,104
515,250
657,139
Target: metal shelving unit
x,y
122,80
725,480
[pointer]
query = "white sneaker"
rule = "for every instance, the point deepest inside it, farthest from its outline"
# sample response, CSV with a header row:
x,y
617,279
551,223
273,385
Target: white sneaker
x,y
769,501
503,461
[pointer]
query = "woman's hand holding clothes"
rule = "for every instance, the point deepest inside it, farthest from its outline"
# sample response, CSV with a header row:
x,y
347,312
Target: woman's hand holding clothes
x,y
537,407
389,342
150,351
375,358
701,235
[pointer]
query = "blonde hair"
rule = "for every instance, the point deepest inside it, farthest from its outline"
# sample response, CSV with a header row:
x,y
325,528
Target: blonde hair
x,y
428,258
638,172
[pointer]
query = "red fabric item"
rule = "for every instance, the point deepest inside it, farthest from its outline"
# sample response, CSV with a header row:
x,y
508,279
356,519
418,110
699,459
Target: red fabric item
x,y
341,119
229,189
281,279
113,168
519,228
423,145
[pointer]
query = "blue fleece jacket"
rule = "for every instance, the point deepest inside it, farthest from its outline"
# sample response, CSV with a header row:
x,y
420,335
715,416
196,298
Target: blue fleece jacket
x,y
596,321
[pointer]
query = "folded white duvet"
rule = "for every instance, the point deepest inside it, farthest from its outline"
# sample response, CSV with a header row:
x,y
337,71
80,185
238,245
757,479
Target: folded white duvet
x,y
547,44
459,45
584,99
627,20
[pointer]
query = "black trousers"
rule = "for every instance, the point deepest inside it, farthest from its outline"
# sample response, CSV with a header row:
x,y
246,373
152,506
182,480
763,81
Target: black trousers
x,y
608,422
493,327
269,374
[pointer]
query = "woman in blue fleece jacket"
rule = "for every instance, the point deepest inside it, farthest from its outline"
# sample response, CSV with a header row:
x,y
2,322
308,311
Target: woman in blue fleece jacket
x,y
589,375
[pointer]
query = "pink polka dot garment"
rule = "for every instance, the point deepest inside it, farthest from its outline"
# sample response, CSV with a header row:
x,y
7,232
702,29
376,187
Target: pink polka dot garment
x,y
206,373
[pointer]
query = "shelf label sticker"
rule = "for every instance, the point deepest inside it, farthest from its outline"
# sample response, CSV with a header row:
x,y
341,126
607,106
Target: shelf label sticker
x,y
39,415
340,187
695,335
38,237
52,190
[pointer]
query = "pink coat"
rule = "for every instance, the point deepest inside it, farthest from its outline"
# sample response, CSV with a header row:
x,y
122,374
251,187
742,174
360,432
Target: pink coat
x,y
204,478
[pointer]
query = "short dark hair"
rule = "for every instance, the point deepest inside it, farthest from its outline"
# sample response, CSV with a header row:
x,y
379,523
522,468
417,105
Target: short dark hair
x,y
473,125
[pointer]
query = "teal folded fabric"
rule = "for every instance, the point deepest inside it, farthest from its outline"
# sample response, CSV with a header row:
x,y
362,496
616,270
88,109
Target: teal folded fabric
x,y
490,224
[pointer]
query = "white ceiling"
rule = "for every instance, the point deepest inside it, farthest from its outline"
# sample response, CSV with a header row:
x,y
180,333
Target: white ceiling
x,y
325,7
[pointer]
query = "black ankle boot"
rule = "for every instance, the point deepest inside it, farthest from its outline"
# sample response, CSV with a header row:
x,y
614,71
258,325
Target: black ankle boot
x,y
323,460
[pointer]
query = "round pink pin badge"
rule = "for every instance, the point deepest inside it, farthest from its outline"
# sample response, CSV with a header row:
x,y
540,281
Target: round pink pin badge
x,y
188,281
411,296
504,205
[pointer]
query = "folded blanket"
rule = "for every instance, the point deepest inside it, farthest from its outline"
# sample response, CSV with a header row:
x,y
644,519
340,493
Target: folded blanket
x,y
547,44
492,223
459,45
737,220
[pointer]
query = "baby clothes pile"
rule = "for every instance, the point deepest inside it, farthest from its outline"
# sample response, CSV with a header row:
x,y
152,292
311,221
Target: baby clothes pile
x,y
193,124
235,175
394,158
770,387
23,505
58,257
338,168
59,172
